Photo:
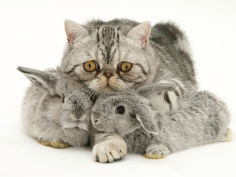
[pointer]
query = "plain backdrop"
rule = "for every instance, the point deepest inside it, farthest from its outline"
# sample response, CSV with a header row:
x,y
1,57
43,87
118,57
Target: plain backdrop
x,y
32,34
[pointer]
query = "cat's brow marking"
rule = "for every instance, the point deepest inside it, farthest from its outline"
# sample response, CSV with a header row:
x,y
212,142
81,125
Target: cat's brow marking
x,y
108,39
144,72
72,69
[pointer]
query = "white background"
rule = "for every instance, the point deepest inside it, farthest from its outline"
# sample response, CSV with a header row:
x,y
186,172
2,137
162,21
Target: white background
x,y
32,35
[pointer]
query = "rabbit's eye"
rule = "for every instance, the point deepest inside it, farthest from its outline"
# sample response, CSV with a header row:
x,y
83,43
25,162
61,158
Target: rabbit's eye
x,y
120,110
63,98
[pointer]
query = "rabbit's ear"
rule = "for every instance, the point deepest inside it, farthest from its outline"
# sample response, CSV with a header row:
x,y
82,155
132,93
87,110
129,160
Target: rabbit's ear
x,y
155,88
41,79
146,118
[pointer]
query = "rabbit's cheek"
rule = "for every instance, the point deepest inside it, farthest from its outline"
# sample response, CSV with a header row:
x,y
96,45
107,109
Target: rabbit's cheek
x,y
104,127
83,126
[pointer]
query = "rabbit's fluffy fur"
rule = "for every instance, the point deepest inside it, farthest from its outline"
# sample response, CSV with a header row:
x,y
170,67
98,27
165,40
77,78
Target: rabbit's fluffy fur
x,y
200,119
56,112
56,109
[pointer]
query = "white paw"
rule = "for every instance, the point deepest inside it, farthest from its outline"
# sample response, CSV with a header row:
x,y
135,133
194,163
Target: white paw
x,y
110,150
156,151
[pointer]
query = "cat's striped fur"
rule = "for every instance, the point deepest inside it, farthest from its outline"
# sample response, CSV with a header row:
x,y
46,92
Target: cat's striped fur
x,y
107,42
165,58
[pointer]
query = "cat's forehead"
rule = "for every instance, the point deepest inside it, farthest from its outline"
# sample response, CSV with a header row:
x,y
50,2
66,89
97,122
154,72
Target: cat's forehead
x,y
108,41
107,34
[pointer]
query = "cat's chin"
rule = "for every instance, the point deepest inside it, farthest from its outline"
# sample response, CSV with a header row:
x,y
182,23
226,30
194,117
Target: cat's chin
x,y
111,88
107,89
104,85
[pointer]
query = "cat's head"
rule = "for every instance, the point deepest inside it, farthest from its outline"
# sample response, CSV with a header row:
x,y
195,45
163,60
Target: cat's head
x,y
106,59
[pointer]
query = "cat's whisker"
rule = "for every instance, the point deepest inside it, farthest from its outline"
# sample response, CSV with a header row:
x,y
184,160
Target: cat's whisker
x,y
92,93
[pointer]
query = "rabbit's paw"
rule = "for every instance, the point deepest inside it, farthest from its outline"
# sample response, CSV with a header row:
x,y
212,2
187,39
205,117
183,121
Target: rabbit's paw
x,y
109,150
229,135
55,144
156,151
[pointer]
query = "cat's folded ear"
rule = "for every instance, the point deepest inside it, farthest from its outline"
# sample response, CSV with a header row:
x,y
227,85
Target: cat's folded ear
x,y
74,31
141,33
41,79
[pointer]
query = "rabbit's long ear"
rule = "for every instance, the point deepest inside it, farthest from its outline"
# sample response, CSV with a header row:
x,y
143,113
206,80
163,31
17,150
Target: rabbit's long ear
x,y
157,87
41,79
146,118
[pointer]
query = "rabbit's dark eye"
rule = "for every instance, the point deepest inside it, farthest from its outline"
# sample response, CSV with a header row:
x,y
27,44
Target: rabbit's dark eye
x,y
120,110
63,98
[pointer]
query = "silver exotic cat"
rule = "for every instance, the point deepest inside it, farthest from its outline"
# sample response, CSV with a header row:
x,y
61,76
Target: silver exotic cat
x,y
122,54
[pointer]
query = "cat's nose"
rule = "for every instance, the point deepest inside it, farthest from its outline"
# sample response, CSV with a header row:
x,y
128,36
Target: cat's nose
x,y
108,73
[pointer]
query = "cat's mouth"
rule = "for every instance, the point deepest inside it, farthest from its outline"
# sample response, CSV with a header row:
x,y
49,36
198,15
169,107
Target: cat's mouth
x,y
109,84
103,84
108,88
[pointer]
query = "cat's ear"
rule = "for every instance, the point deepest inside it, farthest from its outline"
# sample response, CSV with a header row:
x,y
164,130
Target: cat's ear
x,y
41,79
155,88
74,31
141,33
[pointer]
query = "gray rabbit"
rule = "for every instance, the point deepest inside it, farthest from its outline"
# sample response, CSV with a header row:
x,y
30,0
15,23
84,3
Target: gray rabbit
x,y
56,110
200,119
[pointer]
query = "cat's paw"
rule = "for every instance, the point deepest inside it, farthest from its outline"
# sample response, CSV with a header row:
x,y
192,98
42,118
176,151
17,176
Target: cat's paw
x,y
54,144
179,86
110,150
171,97
156,151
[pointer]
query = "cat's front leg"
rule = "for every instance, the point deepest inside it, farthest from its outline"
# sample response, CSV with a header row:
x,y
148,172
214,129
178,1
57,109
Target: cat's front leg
x,y
168,100
108,147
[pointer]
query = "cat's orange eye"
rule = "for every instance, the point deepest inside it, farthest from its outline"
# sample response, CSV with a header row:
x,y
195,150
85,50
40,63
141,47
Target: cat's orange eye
x,y
91,66
124,66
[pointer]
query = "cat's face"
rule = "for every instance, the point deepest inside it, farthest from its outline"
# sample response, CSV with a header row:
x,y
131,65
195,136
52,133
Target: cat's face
x,y
107,60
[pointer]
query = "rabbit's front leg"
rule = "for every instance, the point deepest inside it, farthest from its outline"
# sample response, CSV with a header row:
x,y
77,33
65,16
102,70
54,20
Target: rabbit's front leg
x,y
54,144
156,151
108,147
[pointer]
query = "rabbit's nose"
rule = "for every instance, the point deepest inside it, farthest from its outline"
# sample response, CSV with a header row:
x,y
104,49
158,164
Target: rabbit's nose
x,y
96,121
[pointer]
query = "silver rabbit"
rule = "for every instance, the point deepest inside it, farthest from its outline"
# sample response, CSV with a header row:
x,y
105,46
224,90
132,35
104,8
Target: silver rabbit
x,y
200,119
56,110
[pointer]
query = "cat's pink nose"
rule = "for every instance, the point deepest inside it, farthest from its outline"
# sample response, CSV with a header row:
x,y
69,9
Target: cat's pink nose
x,y
108,74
